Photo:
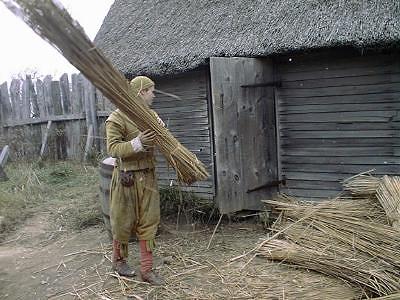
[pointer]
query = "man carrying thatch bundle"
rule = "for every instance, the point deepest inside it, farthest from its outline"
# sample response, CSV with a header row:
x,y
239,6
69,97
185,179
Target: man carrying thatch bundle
x,y
134,195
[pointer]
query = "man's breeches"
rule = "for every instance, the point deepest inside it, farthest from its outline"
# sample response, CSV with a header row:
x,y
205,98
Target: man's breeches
x,y
135,209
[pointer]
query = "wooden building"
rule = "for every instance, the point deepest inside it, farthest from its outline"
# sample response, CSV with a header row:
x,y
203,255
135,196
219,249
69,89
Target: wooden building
x,y
290,96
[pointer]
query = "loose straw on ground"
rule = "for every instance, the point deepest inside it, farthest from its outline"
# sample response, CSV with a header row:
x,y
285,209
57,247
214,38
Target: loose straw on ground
x,y
215,229
54,24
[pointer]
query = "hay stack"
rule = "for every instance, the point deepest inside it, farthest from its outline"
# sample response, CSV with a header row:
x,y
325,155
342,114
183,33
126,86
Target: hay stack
x,y
53,23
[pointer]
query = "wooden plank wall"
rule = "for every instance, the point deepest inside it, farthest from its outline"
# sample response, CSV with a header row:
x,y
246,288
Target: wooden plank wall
x,y
338,116
188,120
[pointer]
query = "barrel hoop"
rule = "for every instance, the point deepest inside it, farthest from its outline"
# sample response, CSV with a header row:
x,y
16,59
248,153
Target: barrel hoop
x,y
105,191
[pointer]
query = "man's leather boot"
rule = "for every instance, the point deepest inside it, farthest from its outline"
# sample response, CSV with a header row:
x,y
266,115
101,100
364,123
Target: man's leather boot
x,y
146,265
119,263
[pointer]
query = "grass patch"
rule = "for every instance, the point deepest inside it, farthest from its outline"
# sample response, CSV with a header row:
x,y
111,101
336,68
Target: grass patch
x,y
66,190
79,214
14,210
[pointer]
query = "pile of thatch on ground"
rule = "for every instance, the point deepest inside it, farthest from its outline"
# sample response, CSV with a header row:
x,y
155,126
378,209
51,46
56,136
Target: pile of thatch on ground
x,y
54,24
350,237
385,189
388,194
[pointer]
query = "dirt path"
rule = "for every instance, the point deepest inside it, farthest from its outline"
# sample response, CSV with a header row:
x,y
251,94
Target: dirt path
x,y
38,262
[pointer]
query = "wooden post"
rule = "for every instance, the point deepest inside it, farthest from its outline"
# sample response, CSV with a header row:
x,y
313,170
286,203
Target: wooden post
x,y
47,95
66,104
5,109
44,140
36,129
3,160
15,98
90,108
60,128
40,88
87,103
4,155
76,107
34,101
28,141
26,98
93,112
49,109
65,94
15,132
89,142
40,99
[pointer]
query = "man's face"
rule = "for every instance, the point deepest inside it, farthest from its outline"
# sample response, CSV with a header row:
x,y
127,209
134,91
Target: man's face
x,y
148,95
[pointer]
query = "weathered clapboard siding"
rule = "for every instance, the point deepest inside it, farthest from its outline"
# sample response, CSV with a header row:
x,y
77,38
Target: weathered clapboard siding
x,y
188,121
338,116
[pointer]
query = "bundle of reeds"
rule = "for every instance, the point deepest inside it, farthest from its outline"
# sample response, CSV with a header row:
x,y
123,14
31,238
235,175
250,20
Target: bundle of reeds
x,y
388,194
361,184
364,207
341,238
53,23
339,221
372,277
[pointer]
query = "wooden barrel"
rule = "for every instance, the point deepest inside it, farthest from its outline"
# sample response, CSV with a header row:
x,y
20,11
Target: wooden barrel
x,y
106,170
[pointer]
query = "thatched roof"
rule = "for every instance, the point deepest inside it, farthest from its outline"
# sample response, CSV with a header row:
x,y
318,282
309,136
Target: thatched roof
x,y
159,37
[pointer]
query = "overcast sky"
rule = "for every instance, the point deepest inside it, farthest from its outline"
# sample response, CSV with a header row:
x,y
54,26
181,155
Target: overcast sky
x,y
21,50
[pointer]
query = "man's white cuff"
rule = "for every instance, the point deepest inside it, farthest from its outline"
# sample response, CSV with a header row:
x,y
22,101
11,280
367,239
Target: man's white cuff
x,y
161,122
137,144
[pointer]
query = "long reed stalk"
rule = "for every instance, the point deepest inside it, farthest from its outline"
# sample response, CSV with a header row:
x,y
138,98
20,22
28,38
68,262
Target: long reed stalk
x,y
54,24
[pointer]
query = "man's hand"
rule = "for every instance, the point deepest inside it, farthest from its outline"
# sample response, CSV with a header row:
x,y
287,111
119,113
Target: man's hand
x,y
147,138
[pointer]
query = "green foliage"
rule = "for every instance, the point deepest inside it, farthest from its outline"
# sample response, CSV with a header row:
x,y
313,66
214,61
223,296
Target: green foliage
x,y
173,201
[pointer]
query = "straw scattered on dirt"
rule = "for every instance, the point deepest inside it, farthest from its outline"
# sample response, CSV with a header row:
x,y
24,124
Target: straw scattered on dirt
x,y
77,266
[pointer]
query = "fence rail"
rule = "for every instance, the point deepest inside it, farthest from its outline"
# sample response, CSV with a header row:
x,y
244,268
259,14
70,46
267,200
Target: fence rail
x,y
57,119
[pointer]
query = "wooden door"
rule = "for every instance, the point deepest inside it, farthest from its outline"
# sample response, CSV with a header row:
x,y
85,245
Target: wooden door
x,y
244,132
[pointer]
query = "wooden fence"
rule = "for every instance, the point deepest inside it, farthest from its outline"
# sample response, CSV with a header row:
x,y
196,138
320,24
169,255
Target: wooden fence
x,y
65,119
56,119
